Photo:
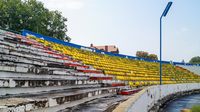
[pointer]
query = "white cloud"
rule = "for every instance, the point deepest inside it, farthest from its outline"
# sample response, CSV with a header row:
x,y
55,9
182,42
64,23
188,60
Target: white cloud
x,y
63,4
75,4
184,29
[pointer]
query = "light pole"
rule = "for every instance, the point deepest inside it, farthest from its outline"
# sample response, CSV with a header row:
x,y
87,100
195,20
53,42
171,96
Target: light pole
x,y
163,15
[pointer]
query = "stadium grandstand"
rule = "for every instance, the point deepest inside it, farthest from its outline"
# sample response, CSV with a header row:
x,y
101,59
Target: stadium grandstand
x,y
40,73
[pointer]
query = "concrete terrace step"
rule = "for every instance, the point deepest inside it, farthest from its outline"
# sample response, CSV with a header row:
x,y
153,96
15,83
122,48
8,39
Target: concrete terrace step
x,y
104,104
12,79
13,48
33,59
30,56
10,92
45,100
13,41
71,104
27,82
51,69
42,76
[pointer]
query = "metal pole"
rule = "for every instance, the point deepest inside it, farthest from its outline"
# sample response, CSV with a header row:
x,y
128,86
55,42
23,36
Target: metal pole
x,y
161,50
163,15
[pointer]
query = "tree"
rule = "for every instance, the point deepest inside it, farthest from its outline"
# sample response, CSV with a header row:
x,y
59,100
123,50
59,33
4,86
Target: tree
x,y
143,54
195,60
153,57
32,15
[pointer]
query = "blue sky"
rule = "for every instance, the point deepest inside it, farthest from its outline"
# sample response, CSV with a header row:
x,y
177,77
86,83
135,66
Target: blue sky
x,y
133,25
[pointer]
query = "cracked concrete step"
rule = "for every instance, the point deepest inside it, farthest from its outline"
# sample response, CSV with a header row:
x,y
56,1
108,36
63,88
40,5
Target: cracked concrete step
x,y
13,49
28,58
32,56
38,58
42,76
27,82
37,101
7,66
30,68
10,92
71,104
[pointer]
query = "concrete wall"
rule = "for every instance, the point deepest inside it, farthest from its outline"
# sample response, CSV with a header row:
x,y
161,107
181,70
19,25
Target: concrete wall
x,y
195,69
145,99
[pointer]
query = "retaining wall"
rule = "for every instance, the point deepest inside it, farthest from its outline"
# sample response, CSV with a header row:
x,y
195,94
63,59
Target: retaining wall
x,y
148,97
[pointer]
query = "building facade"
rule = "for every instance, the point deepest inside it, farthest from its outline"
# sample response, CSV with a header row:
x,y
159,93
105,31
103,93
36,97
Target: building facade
x,y
107,48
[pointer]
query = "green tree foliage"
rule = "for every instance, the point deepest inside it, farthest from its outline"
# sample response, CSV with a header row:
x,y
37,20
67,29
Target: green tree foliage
x,y
153,57
195,60
195,108
143,54
32,15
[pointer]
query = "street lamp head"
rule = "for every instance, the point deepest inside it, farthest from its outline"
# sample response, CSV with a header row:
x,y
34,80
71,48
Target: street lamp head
x,y
167,9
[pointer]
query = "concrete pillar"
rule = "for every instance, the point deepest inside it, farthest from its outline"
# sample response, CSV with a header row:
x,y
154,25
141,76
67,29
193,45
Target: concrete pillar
x,y
20,108
99,91
28,107
1,83
6,84
96,92
79,82
52,102
89,94
85,82
26,84
47,83
59,83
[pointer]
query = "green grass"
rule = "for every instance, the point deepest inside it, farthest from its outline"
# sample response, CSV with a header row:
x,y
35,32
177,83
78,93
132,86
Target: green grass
x,y
195,108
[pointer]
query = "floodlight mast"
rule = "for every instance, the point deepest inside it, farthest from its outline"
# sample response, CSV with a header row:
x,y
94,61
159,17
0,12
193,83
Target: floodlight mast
x,y
163,15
